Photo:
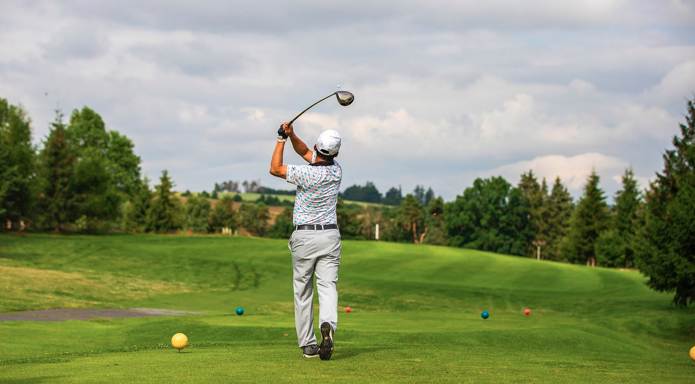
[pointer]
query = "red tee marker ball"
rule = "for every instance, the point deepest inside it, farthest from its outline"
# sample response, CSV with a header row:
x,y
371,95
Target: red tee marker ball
x,y
527,311
348,309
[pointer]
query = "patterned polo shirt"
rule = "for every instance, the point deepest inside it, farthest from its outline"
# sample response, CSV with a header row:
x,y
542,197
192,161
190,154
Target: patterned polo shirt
x,y
317,192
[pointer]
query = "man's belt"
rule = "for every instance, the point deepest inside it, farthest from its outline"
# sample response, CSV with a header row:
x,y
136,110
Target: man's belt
x,y
316,227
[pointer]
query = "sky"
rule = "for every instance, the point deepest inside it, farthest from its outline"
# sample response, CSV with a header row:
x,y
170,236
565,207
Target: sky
x,y
445,91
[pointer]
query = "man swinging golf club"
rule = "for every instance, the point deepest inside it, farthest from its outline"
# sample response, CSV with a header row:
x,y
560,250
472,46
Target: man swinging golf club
x,y
315,242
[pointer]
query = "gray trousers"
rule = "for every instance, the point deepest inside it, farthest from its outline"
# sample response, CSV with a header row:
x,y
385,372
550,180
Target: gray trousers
x,y
315,252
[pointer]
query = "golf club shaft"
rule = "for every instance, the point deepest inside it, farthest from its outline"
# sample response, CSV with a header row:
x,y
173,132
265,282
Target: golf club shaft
x,y
281,131
292,121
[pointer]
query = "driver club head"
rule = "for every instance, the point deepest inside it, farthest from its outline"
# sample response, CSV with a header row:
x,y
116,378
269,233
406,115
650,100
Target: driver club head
x,y
345,98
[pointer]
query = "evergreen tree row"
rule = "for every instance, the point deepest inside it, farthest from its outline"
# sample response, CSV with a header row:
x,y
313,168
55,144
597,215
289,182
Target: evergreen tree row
x,y
370,194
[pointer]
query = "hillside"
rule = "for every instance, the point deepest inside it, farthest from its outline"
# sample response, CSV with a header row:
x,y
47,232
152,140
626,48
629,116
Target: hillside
x,y
416,313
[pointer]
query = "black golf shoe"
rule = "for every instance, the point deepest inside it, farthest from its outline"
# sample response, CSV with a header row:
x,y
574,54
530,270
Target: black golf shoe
x,y
326,348
310,351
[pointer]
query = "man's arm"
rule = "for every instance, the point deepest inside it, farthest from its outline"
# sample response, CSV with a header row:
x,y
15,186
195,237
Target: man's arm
x,y
297,143
277,168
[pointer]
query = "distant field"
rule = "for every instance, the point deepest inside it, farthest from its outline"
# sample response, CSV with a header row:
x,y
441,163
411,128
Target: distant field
x,y
255,196
248,196
416,315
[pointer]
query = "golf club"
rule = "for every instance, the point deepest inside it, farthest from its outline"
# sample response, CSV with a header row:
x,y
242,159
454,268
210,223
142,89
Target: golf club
x,y
345,98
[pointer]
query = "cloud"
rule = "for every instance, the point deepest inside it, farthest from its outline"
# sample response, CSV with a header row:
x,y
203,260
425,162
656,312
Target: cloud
x,y
194,58
446,91
573,171
78,41
283,17
678,84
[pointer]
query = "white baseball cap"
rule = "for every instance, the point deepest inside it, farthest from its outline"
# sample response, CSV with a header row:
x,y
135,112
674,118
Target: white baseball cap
x,y
328,142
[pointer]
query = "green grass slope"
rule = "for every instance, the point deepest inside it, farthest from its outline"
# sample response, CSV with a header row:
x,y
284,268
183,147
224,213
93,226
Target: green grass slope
x,y
416,315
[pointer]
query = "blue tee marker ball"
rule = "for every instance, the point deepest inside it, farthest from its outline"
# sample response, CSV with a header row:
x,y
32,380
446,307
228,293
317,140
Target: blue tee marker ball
x,y
484,315
240,311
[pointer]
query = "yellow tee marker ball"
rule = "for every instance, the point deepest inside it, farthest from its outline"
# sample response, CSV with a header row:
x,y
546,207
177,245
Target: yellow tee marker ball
x,y
179,341
692,353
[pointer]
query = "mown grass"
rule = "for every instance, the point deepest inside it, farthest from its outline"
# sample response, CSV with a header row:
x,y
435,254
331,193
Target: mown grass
x,y
416,315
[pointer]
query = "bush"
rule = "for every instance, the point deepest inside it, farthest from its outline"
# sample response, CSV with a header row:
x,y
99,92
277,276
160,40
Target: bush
x,y
283,226
254,218
224,215
197,214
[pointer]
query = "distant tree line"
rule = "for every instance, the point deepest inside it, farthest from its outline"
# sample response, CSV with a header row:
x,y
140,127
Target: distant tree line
x,y
85,178
232,186
370,194
249,187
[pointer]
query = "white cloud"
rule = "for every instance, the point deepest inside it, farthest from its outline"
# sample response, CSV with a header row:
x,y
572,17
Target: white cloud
x,y
573,171
445,90
678,84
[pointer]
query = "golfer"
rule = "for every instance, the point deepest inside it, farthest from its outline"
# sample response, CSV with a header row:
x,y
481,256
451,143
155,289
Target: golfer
x,y
315,242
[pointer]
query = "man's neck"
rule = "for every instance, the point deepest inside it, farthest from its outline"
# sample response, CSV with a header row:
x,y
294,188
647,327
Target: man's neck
x,y
321,161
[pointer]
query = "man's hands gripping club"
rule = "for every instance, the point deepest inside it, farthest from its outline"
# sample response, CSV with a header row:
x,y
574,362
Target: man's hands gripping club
x,y
277,167
285,131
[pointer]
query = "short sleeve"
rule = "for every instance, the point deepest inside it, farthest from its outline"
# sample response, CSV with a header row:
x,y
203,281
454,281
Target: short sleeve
x,y
297,175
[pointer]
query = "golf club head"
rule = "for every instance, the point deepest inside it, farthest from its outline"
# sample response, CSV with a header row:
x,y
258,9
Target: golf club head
x,y
345,98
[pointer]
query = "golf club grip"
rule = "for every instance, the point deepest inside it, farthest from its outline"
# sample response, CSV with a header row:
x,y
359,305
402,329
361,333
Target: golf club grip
x,y
281,132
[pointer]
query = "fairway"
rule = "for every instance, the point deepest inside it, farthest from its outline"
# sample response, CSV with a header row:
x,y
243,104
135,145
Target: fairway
x,y
415,315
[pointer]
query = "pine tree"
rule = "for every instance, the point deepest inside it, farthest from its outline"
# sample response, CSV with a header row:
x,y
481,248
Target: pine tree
x,y
393,196
140,202
57,176
560,208
667,254
587,222
626,220
610,249
419,194
429,195
165,209
537,195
